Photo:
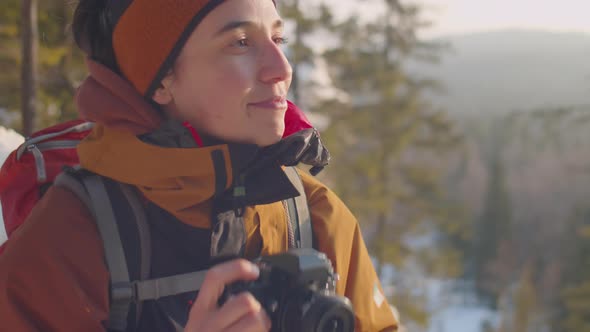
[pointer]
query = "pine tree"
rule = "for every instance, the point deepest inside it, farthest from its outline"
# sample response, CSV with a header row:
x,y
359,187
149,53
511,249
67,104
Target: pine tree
x,y
60,64
386,140
577,304
10,56
576,288
525,301
492,242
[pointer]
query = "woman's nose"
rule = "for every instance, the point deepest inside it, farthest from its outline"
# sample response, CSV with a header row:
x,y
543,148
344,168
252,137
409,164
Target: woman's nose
x,y
275,66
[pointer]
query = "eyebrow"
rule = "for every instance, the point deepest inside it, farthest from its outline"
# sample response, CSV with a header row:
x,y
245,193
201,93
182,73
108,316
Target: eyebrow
x,y
244,24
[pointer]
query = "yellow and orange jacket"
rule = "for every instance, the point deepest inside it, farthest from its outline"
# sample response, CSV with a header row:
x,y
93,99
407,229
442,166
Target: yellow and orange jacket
x,y
53,275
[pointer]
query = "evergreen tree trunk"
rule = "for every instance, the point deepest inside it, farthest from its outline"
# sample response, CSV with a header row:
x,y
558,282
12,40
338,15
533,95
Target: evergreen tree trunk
x,y
29,64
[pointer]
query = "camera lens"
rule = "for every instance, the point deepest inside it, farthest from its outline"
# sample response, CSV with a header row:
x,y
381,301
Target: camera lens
x,y
334,325
328,313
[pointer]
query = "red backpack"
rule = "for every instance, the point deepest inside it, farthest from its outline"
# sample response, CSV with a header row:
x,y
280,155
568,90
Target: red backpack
x,y
31,169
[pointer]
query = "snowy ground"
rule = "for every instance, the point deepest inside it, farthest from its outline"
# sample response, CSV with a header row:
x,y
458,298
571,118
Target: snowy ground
x,y
452,303
461,319
9,140
456,308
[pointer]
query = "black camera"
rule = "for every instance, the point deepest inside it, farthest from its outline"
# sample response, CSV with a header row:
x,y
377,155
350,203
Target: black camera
x,y
297,290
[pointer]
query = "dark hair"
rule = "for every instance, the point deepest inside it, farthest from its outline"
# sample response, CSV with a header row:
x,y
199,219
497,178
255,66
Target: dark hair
x,y
92,27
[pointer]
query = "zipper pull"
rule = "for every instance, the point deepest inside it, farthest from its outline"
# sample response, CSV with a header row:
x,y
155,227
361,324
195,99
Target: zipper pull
x,y
39,163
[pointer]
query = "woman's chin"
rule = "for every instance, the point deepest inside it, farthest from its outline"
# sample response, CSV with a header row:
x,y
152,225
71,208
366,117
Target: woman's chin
x,y
270,138
267,141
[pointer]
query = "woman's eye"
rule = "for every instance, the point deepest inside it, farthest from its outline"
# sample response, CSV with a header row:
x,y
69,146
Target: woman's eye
x,y
245,42
242,43
281,40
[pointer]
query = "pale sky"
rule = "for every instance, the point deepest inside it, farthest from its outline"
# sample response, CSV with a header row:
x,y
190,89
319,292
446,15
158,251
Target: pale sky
x,y
466,16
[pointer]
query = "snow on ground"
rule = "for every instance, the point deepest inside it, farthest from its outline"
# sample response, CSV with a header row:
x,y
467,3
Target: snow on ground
x,y
9,140
452,303
454,307
462,319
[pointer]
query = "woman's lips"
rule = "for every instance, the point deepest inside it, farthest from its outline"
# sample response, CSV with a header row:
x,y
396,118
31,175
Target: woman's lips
x,y
274,103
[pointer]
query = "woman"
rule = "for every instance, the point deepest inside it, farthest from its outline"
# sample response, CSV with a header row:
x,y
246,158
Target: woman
x,y
216,67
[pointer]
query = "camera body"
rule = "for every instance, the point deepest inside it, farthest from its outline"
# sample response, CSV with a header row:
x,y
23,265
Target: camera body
x,y
297,290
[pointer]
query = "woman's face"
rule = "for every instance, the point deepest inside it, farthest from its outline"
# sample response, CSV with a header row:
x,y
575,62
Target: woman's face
x,y
231,79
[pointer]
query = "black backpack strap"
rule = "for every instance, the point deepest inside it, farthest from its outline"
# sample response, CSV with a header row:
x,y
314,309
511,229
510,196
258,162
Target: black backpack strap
x,y
299,212
91,190
145,245
121,288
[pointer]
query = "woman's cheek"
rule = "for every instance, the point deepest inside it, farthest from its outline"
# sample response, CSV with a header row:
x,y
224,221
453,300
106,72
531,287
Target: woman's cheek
x,y
243,69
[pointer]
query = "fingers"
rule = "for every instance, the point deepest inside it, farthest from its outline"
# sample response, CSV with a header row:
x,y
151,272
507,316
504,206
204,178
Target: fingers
x,y
241,313
251,323
219,276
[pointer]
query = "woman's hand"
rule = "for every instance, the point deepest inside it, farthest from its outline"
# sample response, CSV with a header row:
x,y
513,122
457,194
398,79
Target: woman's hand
x,y
241,313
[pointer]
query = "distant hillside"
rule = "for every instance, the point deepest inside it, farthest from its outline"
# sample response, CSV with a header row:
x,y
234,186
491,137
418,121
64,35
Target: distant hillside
x,y
511,70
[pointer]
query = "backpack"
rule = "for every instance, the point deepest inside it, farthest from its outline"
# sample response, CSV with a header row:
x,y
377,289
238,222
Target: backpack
x,y
30,169
49,157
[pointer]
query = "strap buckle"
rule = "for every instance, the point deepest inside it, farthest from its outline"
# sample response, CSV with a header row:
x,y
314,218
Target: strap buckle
x,y
124,292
